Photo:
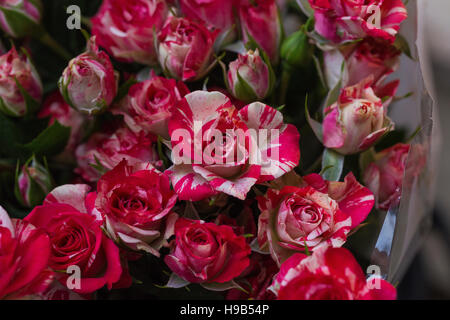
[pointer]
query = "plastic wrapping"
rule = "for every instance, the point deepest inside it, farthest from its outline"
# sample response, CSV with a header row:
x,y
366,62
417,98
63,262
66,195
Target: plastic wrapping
x,y
404,227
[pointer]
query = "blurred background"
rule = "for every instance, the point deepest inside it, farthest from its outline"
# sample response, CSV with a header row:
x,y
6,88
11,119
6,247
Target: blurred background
x,y
429,277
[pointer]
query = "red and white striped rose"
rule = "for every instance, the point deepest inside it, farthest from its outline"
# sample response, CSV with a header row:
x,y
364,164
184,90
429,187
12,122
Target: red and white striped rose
x,y
217,148
315,214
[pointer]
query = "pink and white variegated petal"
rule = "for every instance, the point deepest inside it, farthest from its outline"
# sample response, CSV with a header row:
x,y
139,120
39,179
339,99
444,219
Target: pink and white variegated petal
x,y
278,143
71,194
203,105
333,135
137,244
372,138
188,184
354,199
5,221
237,187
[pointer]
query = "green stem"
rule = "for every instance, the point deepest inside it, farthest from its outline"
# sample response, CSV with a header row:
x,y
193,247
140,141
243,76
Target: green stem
x,y
47,40
285,80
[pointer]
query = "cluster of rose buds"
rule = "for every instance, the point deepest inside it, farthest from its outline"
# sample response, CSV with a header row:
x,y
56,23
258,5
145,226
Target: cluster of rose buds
x,y
201,167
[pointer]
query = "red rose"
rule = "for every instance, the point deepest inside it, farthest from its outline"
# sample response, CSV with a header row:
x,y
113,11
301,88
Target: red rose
x,y
205,252
329,274
77,239
136,203
24,255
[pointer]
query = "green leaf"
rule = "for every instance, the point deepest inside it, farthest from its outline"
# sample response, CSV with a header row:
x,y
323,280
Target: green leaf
x,y
20,24
215,286
366,158
51,141
335,161
402,44
315,125
306,7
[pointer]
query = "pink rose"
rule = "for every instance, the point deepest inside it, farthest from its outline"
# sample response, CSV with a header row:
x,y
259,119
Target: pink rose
x,y
385,176
186,49
136,203
57,109
107,150
215,146
24,256
148,105
328,274
356,121
89,83
248,77
125,28
20,18
260,20
12,100
217,14
315,214
347,20
76,238
205,252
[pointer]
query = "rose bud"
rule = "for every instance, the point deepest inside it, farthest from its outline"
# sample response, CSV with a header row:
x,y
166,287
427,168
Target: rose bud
x,y
20,85
136,203
217,14
24,256
356,121
104,151
370,57
69,217
385,176
260,21
56,108
347,20
33,183
317,213
186,49
328,274
125,28
148,105
89,83
20,18
296,50
207,253
248,77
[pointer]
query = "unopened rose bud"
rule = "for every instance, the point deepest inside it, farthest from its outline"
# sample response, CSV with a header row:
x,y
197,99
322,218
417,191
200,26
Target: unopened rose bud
x,y
89,83
296,50
20,18
33,183
248,77
20,85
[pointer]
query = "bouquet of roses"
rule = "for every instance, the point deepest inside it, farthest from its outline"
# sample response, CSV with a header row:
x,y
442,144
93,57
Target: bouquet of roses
x,y
235,149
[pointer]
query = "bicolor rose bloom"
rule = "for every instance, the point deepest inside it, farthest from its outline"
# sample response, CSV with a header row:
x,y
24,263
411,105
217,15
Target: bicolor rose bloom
x,y
328,274
216,14
385,176
357,120
89,83
24,257
33,183
77,240
108,150
136,203
125,28
256,280
217,148
315,214
248,77
260,21
17,69
20,18
206,253
148,105
348,20
56,109
186,49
